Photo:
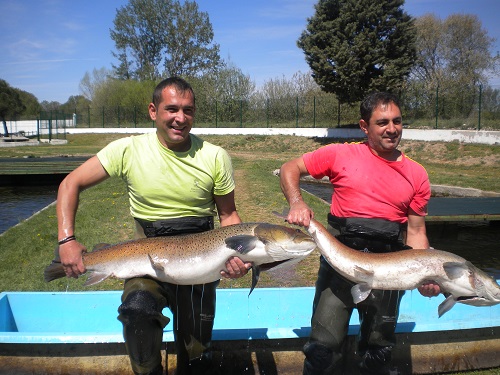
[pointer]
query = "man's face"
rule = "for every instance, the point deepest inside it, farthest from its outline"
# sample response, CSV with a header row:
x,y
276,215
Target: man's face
x,y
384,129
174,118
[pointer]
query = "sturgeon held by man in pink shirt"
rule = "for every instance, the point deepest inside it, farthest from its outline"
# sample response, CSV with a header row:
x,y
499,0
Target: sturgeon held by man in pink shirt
x,y
194,258
458,278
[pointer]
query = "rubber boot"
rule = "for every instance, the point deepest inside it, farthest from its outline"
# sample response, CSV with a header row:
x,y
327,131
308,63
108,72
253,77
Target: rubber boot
x,y
320,360
143,332
376,361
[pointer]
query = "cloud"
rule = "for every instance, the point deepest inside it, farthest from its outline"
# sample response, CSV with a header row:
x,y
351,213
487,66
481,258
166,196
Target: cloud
x,y
73,26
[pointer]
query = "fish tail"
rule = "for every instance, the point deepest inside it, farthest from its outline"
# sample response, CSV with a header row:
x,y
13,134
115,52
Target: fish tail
x,y
53,271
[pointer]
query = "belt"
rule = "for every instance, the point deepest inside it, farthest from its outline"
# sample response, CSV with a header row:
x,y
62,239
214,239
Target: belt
x,y
371,245
172,227
373,235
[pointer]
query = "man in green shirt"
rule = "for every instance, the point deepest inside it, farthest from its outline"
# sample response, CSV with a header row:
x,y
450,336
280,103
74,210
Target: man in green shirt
x,y
176,184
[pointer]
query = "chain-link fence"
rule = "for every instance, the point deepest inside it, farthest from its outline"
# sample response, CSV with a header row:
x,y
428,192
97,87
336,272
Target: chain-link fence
x,y
442,108
465,107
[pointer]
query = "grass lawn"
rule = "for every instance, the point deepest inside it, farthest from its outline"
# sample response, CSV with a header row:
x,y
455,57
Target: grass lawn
x,y
103,215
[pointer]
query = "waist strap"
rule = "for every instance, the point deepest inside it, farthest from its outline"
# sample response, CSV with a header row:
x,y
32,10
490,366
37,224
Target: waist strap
x,y
172,227
374,235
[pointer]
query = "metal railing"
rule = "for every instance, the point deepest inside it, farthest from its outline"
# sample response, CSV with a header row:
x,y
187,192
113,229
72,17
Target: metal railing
x,y
440,108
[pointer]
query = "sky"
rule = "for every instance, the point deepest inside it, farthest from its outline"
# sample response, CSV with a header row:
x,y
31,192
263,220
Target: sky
x,y
47,46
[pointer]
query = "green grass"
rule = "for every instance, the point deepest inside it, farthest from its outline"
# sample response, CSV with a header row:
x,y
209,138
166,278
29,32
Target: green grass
x,y
103,215
457,164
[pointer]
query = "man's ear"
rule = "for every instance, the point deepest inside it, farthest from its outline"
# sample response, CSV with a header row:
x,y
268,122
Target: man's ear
x,y
363,125
152,111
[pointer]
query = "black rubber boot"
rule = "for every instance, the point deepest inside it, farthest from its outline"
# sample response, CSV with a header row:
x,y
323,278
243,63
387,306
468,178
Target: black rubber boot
x,y
143,332
320,360
376,361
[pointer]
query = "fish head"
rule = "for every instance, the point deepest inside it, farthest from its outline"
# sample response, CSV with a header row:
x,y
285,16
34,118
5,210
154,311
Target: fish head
x,y
485,286
477,301
486,289
283,243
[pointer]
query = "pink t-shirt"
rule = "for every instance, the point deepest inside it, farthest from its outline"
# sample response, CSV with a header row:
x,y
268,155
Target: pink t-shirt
x,y
366,185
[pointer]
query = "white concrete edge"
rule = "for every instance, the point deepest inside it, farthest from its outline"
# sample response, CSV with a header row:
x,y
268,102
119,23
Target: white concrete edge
x,y
429,135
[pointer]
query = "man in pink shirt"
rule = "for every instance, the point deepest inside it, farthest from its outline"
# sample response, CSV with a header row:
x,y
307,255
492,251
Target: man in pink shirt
x,y
379,203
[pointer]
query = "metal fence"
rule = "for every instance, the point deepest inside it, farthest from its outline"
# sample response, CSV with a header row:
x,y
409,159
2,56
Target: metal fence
x,y
473,108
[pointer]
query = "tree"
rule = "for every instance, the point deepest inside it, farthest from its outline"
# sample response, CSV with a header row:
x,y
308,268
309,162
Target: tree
x,y
453,58
159,38
50,106
75,104
189,43
10,104
30,102
225,93
354,46
456,49
91,82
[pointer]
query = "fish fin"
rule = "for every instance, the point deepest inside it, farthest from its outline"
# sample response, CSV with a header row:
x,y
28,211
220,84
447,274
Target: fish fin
x,y
255,278
363,274
455,270
242,243
53,271
360,292
280,264
95,278
157,266
446,305
282,215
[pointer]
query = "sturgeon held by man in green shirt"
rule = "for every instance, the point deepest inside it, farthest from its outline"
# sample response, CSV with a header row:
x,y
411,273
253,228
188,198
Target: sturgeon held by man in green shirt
x,y
194,258
459,279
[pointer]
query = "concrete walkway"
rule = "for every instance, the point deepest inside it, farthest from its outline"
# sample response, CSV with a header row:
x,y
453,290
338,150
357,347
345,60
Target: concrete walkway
x,y
429,135
436,135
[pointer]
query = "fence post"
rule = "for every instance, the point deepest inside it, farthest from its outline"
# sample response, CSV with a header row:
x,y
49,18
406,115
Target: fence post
x,y
480,95
50,127
56,123
338,114
437,105
216,108
88,112
241,113
267,112
297,112
103,117
314,111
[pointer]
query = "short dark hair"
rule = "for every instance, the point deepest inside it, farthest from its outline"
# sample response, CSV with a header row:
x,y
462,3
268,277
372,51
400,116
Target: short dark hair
x,y
179,84
373,100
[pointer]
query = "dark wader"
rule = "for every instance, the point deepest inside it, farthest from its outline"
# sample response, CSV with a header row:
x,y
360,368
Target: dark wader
x,y
192,306
333,304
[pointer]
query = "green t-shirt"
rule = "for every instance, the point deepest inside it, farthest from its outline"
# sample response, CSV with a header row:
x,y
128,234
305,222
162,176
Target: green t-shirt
x,y
163,184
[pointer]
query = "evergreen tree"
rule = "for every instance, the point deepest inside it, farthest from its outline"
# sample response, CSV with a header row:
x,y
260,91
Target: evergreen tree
x,y
30,102
356,46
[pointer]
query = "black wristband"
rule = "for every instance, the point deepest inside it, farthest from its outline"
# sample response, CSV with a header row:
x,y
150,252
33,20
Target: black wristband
x,y
67,239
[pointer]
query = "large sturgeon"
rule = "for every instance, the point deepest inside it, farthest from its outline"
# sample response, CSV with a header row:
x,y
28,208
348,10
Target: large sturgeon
x,y
458,278
194,258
